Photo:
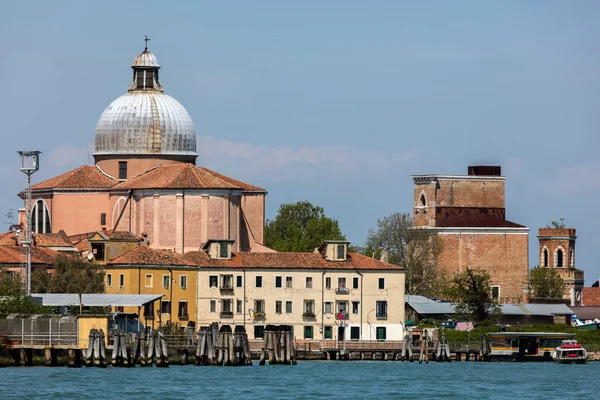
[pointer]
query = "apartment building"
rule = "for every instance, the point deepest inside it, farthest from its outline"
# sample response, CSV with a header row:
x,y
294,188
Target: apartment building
x,y
328,294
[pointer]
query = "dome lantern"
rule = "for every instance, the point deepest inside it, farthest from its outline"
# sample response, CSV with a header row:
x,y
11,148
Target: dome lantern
x,y
145,122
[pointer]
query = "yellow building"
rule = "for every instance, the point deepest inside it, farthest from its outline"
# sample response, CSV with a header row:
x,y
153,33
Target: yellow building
x,y
329,294
143,270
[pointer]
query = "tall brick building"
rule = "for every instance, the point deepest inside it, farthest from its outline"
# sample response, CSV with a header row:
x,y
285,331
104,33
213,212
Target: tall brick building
x,y
468,213
557,251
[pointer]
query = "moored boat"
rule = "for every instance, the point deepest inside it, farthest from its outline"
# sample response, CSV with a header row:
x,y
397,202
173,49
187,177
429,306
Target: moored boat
x,y
570,352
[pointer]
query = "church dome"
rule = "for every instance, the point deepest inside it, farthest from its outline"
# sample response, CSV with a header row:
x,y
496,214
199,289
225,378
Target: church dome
x,y
145,121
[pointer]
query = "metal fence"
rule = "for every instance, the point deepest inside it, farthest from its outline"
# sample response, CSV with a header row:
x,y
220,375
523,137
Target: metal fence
x,y
40,332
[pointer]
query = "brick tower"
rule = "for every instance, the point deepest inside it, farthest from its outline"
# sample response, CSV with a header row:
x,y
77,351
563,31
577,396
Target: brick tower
x,y
467,212
557,251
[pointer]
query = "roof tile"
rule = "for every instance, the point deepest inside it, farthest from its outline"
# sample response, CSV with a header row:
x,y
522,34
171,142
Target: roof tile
x,y
84,177
183,176
143,255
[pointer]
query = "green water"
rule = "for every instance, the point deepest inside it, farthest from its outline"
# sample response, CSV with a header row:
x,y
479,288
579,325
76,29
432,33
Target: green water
x,y
309,379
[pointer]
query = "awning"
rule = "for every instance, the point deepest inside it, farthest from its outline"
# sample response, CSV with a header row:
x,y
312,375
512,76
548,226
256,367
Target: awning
x,y
95,300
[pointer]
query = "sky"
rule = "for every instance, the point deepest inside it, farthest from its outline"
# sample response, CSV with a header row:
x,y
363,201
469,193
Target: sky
x,y
334,102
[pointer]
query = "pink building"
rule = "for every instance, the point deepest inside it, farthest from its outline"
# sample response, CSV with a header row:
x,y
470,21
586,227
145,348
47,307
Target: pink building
x,y
145,179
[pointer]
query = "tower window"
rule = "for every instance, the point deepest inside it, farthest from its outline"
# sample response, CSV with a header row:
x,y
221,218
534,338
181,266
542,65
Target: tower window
x,y
40,218
559,258
545,257
122,169
422,201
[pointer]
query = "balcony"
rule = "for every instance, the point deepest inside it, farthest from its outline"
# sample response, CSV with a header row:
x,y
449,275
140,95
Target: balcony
x,y
183,317
226,314
258,315
342,316
381,316
308,314
226,286
342,290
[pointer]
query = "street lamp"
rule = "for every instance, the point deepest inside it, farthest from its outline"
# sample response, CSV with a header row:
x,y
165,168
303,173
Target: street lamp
x,y
30,163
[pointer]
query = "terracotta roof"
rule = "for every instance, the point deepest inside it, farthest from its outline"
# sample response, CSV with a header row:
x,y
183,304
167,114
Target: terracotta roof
x,y
241,184
182,176
143,255
84,177
51,240
8,239
118,235
82,245
16,255
476,221
290,260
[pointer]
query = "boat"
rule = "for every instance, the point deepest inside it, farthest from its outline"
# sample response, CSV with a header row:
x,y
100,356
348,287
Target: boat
x,y
570,352
524,346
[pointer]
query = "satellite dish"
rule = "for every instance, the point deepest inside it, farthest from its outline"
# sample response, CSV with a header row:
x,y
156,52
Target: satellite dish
x,y
90,256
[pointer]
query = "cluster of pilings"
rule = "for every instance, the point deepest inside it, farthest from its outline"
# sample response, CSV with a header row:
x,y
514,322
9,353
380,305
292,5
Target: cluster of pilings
x,y
119,352
222,347
441,348
278,345
95,354
157,347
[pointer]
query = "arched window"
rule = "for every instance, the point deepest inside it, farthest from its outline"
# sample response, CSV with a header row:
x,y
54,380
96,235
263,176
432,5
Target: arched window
x,y
546,258
40,218
422,201
559,258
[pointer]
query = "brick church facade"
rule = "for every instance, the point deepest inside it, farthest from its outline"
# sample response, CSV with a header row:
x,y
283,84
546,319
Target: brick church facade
x,y
468,213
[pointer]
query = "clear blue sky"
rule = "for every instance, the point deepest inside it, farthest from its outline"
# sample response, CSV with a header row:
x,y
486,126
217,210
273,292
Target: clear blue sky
x,y
334,102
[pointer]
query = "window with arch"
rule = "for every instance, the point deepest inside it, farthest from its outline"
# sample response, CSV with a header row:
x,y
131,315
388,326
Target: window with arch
x,y
559,258
40,218
545,258
423,201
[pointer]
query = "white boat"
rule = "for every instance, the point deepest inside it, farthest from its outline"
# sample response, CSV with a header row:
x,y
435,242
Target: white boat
x,y
570,352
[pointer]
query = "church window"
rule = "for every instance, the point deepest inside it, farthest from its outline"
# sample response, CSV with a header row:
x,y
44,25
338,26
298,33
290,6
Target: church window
x,y
422,201
559,258
40,218
102,218
122,169
545,257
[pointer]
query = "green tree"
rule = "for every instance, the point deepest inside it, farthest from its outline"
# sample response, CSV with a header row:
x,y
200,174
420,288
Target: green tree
x,y
11,283
73,275
40,280
416,249
546,283
300,227
560,224
471,290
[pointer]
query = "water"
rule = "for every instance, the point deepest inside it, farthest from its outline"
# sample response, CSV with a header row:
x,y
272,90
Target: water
x,y
309,379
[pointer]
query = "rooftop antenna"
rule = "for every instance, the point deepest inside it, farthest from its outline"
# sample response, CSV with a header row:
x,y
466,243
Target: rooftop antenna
x,y
30,163
9,217
146,39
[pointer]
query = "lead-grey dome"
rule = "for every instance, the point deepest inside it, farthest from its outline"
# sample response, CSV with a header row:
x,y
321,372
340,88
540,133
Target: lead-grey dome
x,y
145,121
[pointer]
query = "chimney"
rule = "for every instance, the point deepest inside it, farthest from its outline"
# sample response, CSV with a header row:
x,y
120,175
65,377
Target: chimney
x,y
385,256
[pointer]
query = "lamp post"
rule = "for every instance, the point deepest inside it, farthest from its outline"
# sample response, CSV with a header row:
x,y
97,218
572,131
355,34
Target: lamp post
x,y
30,163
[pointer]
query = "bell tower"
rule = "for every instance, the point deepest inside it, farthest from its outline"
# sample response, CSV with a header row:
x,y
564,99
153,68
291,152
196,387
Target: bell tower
x,y
557,251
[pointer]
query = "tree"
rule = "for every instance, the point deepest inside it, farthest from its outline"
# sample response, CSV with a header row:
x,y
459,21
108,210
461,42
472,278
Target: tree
x,y
40,280
416,249
12,296
471,290
560,224
300,227
71,275
11,283
546,283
